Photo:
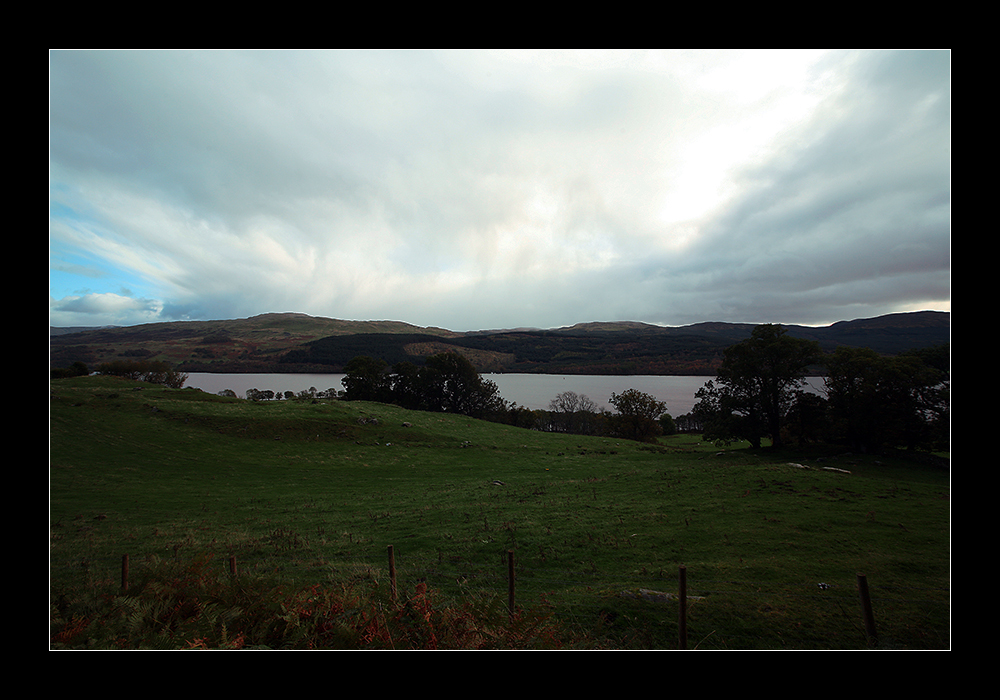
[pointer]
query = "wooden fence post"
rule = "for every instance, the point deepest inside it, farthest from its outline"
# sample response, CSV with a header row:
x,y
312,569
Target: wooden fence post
x,y
866,609
682,615
124,572
392,573
510,583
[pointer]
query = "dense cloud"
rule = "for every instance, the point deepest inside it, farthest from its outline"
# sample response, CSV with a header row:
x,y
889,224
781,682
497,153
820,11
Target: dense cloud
x,y
478,190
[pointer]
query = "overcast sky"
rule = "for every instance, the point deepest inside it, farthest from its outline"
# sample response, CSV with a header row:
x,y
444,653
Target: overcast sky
x,y
493,189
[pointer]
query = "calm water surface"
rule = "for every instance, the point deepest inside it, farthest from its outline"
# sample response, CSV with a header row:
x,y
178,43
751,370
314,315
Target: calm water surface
x,y
533,391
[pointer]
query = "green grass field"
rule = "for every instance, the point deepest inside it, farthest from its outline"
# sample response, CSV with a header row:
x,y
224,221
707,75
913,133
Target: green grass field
x,y
314,494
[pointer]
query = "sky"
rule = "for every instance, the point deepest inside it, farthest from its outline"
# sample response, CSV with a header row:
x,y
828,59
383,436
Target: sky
x,y
476,189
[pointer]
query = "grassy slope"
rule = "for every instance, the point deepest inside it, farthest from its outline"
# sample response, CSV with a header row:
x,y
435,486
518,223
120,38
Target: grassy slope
x,y
311,493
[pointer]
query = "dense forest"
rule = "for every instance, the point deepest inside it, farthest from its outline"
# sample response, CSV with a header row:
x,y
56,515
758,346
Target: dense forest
x,y
541,351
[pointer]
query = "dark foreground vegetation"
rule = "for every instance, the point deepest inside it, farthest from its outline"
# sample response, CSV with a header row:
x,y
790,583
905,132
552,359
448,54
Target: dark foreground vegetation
x,y
307,496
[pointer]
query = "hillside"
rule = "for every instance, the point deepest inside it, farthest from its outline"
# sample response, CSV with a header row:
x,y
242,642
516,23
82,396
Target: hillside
x,y
293,342
307,496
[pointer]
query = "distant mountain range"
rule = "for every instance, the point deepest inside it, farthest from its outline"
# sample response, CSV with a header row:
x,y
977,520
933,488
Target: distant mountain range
x,y
294,342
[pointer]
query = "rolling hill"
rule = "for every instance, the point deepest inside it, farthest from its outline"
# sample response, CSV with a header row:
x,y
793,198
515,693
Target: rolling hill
x,y
294,342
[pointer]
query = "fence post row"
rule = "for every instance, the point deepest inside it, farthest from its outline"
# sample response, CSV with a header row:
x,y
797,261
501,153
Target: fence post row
x,y
863,595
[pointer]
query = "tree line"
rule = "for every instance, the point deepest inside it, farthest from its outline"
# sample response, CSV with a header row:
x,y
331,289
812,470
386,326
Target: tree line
x,y
637,416
871,401
448,382
151,371
310,394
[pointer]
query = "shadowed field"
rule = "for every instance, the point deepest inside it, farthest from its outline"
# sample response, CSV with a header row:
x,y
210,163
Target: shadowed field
x,y
313,494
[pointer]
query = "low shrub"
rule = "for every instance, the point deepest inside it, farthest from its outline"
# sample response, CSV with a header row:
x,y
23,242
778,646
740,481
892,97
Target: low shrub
x,y
194,606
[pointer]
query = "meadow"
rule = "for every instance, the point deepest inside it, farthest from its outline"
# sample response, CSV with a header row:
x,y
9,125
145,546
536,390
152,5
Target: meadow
x,y
307,498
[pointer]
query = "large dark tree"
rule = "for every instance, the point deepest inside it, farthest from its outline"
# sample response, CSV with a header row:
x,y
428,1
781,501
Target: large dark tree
x,y
877,401
449,382
755,386
365,379
405,385
638,415
446,382
806,420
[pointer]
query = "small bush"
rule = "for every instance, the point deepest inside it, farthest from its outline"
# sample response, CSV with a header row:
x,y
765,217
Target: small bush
x,y
77,369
